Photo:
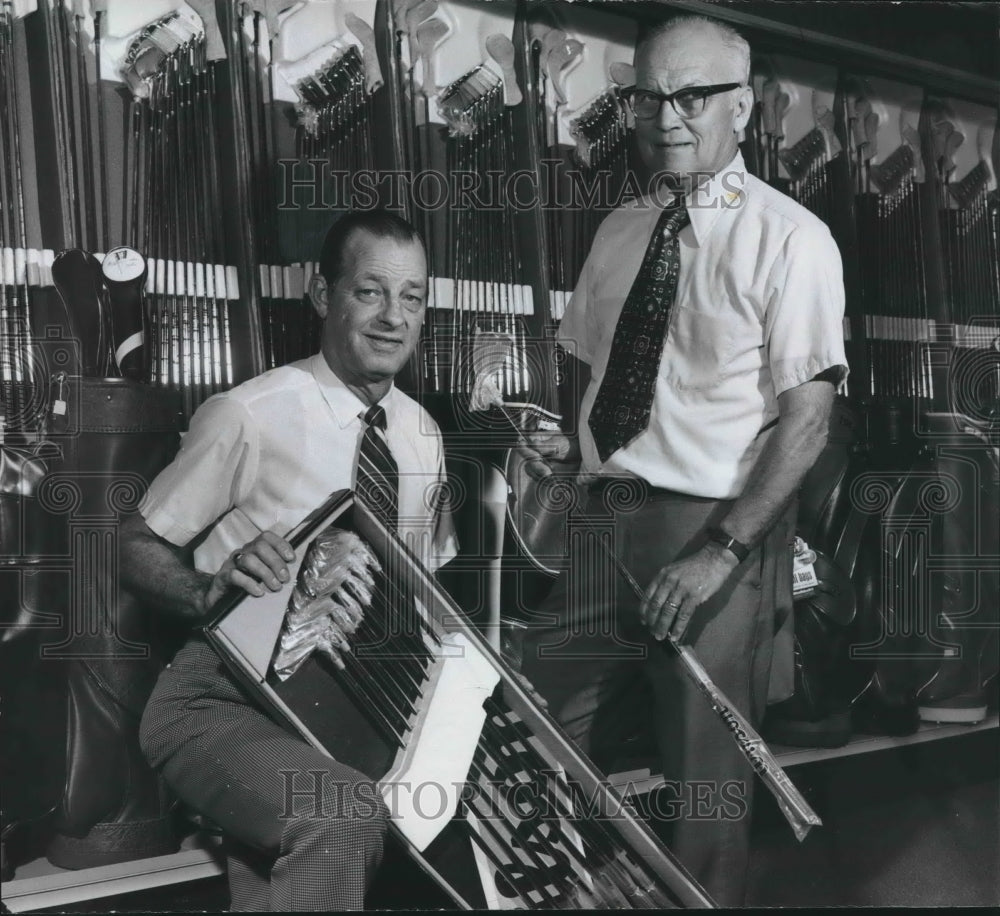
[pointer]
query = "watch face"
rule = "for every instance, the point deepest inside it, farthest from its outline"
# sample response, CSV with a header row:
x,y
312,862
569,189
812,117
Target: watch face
x,y
123,264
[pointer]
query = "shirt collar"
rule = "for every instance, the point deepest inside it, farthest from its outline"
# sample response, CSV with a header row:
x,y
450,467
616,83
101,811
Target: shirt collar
x,y
725,190
345,405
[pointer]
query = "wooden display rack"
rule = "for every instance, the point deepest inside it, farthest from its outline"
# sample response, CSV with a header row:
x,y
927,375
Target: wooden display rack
x,y
644,779
40,885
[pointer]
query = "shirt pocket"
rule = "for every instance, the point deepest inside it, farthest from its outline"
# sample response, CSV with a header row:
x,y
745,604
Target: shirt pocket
x,y
700,349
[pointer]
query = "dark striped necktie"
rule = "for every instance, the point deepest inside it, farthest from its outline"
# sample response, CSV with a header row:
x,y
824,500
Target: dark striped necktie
x,y
625,399
378,476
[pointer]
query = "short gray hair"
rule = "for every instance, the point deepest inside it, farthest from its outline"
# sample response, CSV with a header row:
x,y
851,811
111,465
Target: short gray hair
x,y
732,40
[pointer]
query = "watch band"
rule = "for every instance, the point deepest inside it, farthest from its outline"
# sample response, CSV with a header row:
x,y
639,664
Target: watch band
x,y
737,548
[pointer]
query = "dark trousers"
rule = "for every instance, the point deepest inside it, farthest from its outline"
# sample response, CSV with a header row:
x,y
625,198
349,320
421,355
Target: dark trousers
x,y
303,831
587,654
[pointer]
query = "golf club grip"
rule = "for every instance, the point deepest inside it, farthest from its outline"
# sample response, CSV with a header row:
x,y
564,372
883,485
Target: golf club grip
x,y
795,808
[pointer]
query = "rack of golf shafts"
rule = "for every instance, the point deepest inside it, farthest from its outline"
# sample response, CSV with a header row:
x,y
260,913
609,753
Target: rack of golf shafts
x,y
173,208
484,291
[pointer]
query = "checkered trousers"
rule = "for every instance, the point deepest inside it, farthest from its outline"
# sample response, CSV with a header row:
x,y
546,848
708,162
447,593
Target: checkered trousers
x,y
303,831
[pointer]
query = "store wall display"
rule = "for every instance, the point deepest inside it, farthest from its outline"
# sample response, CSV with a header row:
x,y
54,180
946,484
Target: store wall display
x,y
168,169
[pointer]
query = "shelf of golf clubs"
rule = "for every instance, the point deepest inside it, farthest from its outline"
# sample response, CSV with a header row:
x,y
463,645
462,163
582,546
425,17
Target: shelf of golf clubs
x,y
475,336
970,232
599,160
321,87
891,226
20,267
327,96
20,271
192,346
170,164
477,283
186,307
582,128
67,46
294,74
171,75
63,56
892,277
793,145
481,250
172,205
875,160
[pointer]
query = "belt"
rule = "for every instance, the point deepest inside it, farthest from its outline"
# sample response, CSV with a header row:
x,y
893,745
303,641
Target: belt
x,y
648,493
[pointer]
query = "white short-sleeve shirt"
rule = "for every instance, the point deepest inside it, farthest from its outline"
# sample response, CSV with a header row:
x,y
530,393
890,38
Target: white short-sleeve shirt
x,y
265,454
759,310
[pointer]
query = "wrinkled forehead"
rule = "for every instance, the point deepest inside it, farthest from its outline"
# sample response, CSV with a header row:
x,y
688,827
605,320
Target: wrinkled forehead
x,y
362,242
365,251
687,55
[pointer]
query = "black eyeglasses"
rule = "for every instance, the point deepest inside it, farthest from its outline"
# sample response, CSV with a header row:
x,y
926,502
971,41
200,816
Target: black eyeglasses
x,y
688,103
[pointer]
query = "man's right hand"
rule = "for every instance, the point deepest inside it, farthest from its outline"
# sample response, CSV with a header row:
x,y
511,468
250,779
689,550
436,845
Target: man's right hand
x,y
540,449
259,565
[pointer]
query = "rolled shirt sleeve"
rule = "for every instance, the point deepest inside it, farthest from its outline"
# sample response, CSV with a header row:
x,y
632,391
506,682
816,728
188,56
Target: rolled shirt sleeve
x,y
210,474
804,318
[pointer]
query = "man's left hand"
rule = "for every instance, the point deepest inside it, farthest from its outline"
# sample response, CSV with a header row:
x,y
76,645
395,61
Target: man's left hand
x,y
679,588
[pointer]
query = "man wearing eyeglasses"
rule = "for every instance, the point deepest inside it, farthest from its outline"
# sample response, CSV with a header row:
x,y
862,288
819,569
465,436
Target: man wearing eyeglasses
x,y
707,331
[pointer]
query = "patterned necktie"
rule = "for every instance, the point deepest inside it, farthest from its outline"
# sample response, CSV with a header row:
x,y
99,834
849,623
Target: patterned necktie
x,y
378,475
625,399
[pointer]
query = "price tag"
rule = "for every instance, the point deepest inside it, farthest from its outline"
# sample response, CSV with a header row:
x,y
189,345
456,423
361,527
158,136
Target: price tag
x,y
803,571
804,580
59,403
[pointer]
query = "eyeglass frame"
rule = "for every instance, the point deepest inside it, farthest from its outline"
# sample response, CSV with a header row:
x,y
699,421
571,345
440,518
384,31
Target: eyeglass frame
x,y
705,93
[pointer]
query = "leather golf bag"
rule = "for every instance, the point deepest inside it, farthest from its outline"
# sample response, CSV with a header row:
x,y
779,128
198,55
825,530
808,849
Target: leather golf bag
x,y
900,494
818,712
116,435
32,726
966,536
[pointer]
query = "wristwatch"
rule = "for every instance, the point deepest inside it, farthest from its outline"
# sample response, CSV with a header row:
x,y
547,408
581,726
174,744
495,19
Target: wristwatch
x,y
737,548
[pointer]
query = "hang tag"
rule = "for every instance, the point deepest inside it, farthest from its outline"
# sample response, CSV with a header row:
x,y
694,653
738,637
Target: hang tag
x,y
803,570
59,403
